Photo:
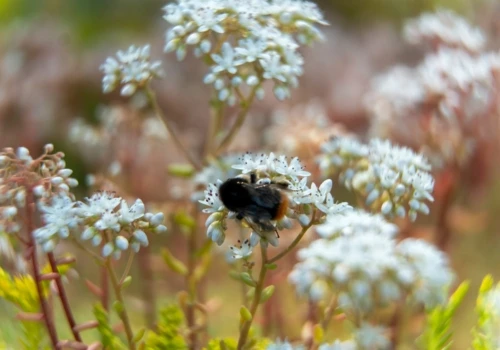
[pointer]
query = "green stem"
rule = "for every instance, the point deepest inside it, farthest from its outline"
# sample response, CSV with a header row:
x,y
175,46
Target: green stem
x,y
128,266
159,114
294,243
191,283
122,312
330,309
217,116
256,299
240,119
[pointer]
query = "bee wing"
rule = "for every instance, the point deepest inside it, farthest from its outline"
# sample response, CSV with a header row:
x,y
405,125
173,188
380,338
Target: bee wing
x,y
264,203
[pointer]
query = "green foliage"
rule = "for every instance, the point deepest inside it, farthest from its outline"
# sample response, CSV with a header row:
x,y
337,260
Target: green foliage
x,y
231,344
21,291
485,334
167,335
437,334
109,339
175,264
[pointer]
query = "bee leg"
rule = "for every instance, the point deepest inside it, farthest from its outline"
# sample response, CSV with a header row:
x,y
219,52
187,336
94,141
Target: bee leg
x,y
277,234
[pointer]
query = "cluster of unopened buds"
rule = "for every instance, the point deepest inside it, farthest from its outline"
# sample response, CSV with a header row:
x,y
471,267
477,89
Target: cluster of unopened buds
x,y
245,43
103,218
393,180
308,205
22,176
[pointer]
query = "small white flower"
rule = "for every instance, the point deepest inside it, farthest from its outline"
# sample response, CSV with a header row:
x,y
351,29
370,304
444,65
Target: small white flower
x,y
225,61
212,199
128,215
59,217
132,68
251,49
243,251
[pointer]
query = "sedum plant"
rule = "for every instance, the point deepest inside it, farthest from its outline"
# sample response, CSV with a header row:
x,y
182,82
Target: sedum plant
x,y
352,263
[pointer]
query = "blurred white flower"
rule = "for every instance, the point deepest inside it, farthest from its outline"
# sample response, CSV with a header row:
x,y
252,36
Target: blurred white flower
x,y
59,217
369,337
132,69
445,28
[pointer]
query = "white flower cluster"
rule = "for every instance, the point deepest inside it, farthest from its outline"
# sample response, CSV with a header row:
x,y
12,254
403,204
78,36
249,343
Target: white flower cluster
x,y
444,27
447,102
104,218
303,200
392,179
132,69
45,176
245,42
368,269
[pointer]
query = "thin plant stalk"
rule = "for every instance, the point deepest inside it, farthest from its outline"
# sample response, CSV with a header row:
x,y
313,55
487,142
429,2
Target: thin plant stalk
x,y
256,299
64,298
147,286
122,311
294,242
260,283
161,117
240,119
30,227
191,286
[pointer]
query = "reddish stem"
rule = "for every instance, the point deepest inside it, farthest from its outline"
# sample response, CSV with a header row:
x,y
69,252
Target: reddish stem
x,y
30,203
449,183
64,298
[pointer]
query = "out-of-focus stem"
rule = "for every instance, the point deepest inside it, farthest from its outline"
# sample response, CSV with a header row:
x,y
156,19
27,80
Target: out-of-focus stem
x,y
122,313
330,309
147,287
104,288
216,119
64,298
443,229
30,227
240,119
191,289
256,299
159,114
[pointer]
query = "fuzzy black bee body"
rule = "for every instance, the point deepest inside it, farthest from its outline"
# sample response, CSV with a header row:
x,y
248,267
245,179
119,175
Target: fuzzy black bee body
x,y
257,203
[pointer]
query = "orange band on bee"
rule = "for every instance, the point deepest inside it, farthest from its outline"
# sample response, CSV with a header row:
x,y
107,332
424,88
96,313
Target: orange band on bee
x,y
283,207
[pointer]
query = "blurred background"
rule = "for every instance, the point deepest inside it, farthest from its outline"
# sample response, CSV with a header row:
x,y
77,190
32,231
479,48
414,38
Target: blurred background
x,y
50,91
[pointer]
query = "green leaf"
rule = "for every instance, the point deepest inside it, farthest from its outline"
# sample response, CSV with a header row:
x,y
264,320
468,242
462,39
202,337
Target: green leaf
x,y
181,170
485,333
107,335
267,293
272,266
247,279
168,331
437,333
184,221
245,314
174,264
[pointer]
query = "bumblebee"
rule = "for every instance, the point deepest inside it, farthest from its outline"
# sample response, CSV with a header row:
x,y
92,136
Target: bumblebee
x,y
257,203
